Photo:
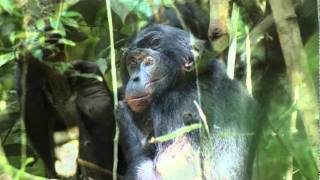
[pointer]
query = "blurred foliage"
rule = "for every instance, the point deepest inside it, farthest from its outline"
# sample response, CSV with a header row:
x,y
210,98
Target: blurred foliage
x,y
81,28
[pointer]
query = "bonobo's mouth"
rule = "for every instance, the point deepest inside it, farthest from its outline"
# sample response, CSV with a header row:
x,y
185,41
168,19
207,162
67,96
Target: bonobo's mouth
x,y
138,98
138,103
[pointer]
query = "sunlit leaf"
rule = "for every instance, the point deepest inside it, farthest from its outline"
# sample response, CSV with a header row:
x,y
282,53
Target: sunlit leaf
x,y
167,2
71,14
176,133
57,25
123,7
40,24
141,7
67,42
89,75
5,58
8,5
70,22
62,32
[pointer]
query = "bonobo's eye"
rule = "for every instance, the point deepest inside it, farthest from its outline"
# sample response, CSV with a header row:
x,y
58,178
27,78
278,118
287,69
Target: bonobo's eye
x,y
148,61
133,61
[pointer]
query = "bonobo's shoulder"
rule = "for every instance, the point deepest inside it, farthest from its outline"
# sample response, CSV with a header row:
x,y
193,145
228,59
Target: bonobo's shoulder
x,y
217,69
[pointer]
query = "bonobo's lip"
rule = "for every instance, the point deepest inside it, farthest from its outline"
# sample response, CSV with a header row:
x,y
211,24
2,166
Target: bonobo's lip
x,y
138,103
138,98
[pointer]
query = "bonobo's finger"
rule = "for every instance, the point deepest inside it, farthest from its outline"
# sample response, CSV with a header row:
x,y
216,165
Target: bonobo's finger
x,y
123,114
120,111
123,106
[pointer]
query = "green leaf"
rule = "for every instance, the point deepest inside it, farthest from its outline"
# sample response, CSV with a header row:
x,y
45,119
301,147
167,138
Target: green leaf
x,y
123,7
89,75
5,58
40,24
71,14
140,7
167,2
127,30
67,42
37,53
176,133
57,25
8,5
70,22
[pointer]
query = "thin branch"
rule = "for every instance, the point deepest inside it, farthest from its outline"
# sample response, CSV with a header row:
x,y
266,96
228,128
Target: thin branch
x,y
95,167
114,88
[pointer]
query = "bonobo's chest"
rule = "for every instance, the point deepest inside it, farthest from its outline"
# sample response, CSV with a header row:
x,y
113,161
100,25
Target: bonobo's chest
x,y
173,111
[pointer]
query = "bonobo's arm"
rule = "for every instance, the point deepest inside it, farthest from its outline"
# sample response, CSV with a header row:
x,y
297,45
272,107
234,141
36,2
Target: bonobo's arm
x,y
131,137
132,140
95,105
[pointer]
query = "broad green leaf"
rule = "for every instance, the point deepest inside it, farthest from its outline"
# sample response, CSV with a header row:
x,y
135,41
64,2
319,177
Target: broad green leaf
x,y
140,7
8,5
67,42
167,2
4,58
70,22
123,7
144,8
57,25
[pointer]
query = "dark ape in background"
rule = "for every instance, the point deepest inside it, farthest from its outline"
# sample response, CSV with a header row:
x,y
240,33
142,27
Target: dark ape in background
x,y
89,106
161,87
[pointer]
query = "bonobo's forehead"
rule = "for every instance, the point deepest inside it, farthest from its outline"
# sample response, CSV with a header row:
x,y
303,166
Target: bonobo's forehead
x,y
142,52
161,36
174,43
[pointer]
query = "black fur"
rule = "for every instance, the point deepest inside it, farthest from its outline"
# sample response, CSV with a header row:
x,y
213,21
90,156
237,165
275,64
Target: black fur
x,y
230,111
93,114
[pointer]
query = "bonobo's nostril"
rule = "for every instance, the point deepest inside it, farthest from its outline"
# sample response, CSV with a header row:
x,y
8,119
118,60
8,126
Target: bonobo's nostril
x,y
136,79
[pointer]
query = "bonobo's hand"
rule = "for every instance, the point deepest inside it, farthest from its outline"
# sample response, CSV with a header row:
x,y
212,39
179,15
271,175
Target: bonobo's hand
x,y
123,115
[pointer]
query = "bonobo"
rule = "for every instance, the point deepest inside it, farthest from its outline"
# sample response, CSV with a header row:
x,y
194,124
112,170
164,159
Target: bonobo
x,y
161,97
94,113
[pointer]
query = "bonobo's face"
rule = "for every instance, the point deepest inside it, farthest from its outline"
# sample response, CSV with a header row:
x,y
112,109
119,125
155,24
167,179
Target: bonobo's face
x,y
149,76
155,59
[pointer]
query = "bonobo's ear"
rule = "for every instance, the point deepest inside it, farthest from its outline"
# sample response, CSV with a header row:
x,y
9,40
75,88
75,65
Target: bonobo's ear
x,y
197,47
188,64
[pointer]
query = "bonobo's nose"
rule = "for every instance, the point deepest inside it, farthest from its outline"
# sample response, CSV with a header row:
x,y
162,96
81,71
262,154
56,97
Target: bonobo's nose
x,y
136,79
135,87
